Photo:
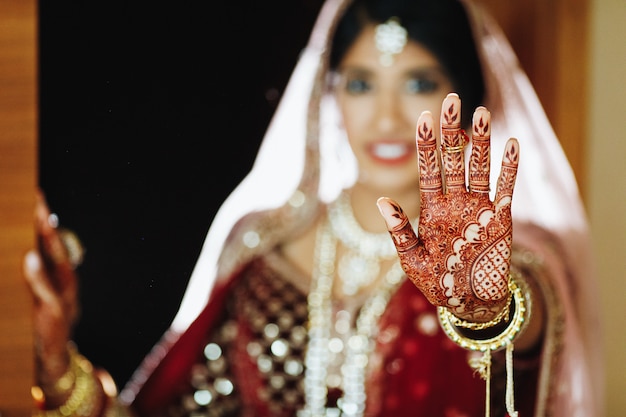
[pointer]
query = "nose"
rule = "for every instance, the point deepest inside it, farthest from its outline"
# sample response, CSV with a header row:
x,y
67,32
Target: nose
x,y
389,115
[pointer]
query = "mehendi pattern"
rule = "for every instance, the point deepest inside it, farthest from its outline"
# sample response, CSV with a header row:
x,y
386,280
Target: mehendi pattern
x,y
460,257
453,141
480,160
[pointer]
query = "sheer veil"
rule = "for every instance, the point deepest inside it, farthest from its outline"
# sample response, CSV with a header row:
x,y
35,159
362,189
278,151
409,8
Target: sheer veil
x,y
303,160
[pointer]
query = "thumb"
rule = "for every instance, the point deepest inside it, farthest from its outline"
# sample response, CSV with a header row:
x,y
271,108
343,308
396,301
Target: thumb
x,y
398,224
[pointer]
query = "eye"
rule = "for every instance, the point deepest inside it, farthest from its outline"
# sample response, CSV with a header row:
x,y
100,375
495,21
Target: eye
x,y
358,86
421,85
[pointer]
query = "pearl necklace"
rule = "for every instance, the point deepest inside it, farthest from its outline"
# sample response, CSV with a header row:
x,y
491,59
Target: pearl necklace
x,y
346,227
360,265
360,343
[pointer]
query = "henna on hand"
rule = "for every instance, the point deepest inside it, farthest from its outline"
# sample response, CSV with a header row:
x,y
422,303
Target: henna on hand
x,y
460,257
49,272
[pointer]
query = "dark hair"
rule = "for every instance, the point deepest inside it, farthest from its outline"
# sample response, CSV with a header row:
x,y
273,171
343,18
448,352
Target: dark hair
x,y
442,26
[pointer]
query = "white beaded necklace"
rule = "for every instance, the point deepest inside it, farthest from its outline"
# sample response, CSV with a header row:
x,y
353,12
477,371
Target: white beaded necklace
x,y
360,343
360,265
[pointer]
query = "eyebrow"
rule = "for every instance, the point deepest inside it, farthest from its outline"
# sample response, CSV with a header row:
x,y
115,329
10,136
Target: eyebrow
x,y
354,70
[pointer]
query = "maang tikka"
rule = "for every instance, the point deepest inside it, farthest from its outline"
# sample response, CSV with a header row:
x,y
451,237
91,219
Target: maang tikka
x,y
390,38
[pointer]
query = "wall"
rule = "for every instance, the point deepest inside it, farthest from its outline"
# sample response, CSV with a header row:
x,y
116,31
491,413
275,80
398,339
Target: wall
x,y
606,179
18,145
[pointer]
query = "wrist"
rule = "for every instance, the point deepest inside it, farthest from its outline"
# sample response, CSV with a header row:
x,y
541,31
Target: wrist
x,y
486,330
497,334
77,392
503,315
57,374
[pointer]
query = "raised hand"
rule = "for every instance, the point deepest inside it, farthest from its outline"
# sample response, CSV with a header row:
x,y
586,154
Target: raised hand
x,y
460,257
49,271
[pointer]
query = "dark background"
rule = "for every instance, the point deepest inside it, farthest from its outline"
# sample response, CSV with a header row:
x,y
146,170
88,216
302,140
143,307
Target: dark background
x,y
150,114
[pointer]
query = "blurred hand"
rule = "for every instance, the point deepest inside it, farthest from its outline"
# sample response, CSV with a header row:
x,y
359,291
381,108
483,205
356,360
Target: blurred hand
x,y
49,272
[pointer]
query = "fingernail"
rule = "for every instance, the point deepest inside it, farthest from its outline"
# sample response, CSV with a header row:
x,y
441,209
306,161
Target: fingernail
x,y
481,121
450,110
425,127
391,212
32,261
53,220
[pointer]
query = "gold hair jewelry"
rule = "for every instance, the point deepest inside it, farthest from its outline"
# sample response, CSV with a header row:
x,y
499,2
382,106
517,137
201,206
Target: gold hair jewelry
x,y
390,40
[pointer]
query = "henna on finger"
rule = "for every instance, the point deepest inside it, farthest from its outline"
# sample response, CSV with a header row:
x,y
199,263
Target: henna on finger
x,y
460,257
453,141
427,158
54,251
405,240
57,267
480,160
398,224
508,175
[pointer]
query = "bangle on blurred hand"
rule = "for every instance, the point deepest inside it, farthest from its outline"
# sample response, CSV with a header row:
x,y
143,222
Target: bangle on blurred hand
x,y
66,382
81,385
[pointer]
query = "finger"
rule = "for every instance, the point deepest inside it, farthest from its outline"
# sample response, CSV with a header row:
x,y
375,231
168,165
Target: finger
x,y
60,305
508,174
53,250
453,141
428,162
37,280
398,224
51,324
481,148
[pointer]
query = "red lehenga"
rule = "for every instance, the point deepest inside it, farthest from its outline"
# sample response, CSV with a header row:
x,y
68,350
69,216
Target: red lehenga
x,y
421,372
416,370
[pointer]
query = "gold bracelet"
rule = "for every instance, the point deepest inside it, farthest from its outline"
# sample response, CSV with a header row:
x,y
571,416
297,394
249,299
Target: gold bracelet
x,y
66,382
497,342
83,398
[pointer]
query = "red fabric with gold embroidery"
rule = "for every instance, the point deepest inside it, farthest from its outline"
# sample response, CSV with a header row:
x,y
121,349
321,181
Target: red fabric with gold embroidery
x,y
415,370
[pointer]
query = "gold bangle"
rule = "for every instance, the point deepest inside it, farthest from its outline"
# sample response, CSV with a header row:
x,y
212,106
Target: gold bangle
x,y
66,382
83,399
493,343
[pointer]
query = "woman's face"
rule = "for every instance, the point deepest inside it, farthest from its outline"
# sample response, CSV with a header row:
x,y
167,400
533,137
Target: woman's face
x,y
380,106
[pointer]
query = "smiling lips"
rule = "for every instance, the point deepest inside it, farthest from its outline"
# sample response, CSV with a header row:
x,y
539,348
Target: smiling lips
x,y
389,152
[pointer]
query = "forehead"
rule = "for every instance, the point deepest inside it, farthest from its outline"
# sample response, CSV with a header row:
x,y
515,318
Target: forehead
x,y
364,54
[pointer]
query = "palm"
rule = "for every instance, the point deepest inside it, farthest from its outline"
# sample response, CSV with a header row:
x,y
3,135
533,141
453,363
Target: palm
x,y
460,257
